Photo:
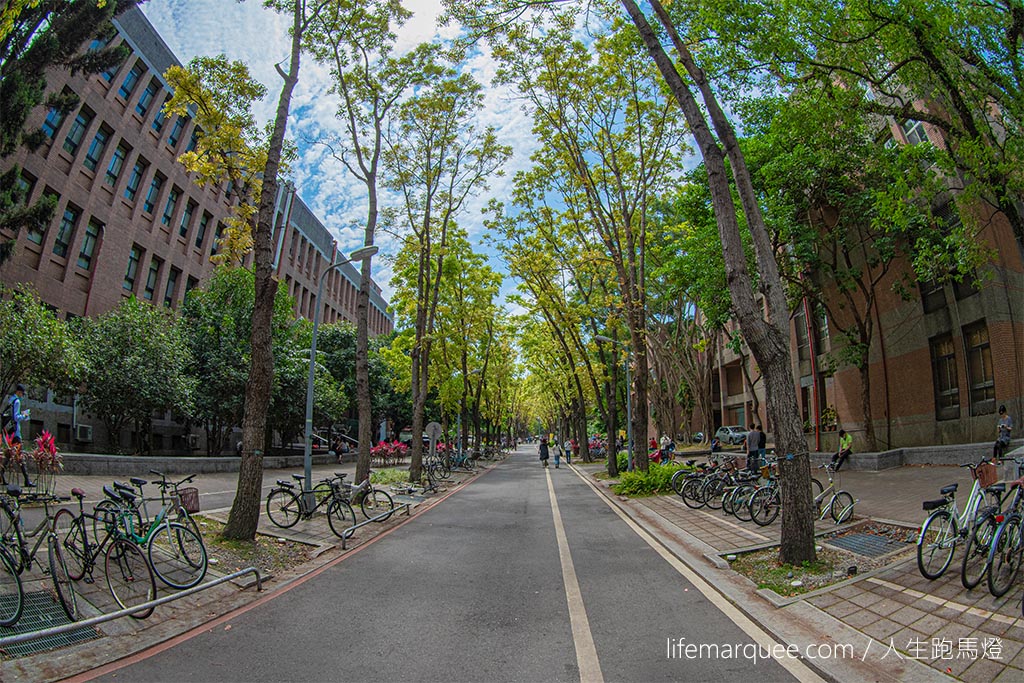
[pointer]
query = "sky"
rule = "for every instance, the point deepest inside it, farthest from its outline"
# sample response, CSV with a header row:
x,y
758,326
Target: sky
x,y
247,32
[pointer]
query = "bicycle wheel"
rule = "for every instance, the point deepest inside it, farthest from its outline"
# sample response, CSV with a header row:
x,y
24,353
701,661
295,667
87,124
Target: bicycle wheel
x,y
712,493
727,500
10,534
741,502
177,556
71,533
976,554
377,502
183,518
765,505
322,492
284,508
129,577
63,584
691,493
842,507
936,544
677,481
816,487
12,597
340,516
107,515
1005,556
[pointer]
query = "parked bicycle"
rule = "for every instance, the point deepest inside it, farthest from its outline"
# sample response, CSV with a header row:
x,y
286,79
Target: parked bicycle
x,y
16,557
373,501
946,525
831,501
128,575
286,505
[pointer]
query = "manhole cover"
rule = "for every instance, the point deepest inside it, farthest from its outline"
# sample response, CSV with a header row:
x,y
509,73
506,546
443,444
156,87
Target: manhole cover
x,y
869,545
41,612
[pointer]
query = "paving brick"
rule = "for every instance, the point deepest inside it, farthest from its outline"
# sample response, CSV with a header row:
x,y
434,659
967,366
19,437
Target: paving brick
x,y
880,628
982,671
843,608
886,607
908,616
860,619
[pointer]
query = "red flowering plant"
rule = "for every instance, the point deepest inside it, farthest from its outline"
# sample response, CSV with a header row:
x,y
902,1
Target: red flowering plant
x,y
48,459
11,456
389,452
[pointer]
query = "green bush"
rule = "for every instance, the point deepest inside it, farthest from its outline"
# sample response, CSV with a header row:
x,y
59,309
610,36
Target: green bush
x,y
656,480
391,475
623,459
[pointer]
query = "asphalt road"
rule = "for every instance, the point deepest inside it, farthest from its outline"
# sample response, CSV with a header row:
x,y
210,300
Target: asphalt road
x,y
475,589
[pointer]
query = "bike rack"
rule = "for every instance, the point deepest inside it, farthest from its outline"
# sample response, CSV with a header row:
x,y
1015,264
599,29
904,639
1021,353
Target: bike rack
x,y
103,618
347,533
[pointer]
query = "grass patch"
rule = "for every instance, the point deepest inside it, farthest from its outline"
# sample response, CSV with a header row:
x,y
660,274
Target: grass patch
x,y
655,481
391,475
267,554
763,568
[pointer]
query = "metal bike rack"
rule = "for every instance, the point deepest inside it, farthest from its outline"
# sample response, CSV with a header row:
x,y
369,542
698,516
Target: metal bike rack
x,y
347,534
103,618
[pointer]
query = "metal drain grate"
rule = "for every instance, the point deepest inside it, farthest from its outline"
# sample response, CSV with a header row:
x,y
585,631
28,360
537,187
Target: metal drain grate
x,y
868,545
42,611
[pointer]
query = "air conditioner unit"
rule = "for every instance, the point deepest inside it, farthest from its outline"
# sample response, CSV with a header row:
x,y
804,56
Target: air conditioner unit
x,y
193,442
83,433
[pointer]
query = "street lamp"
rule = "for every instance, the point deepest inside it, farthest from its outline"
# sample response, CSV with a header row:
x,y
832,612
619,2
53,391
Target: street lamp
x,y
629,400
360,254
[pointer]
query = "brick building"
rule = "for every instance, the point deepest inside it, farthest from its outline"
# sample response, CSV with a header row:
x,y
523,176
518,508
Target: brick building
x,y
941,361
130,219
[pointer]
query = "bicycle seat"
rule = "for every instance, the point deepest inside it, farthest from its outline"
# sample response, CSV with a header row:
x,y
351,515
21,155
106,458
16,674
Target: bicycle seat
x,y
111,493
999,488
299,477
78,493
930,505
690,463
120,486
138,482
285,484
13,490
946,490
340,475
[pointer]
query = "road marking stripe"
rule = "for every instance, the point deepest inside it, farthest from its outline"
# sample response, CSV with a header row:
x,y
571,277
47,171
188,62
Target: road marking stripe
x,y
800,671
586,651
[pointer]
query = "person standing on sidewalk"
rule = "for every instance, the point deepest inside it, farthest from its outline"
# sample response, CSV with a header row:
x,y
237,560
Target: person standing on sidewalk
x,y
544,451
762,448
1004,427
13,436
753,444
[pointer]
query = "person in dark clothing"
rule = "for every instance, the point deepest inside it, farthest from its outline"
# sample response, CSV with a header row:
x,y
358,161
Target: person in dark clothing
x,y
14,437
544,451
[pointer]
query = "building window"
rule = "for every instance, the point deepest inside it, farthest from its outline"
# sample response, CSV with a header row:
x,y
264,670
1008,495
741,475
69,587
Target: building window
x,y
52,122
133,268
131,80
111,71
161,116
67,229
176,131
170,206
803,344
190,284
135,179
151,279
92,234
192,141
186,218
914,131
147,97
933,296
980,375
172,285
116,164
201,233
153,193
966,286
96,147
77,131
216,239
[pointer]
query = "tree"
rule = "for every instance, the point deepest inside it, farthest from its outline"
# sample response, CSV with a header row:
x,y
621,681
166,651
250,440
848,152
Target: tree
x,y
135,363
36,36
437,160
356,42
36,347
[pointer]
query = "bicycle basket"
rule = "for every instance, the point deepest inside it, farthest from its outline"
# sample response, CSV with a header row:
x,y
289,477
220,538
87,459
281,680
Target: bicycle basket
x,y
768,471
986,474
189,499
738,464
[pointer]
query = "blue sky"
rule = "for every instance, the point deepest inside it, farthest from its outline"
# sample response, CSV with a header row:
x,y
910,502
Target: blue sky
x,y
248,32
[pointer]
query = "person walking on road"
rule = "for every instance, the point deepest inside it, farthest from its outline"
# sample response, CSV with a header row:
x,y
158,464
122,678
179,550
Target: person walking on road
x,y
1004,427
558,455
12,429
544,451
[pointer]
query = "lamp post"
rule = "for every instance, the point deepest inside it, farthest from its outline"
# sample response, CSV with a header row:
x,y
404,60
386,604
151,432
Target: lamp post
x,y
360,254
629,400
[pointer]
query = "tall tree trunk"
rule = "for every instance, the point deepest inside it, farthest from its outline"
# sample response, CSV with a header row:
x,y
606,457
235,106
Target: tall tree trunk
x,y
768,339
245,511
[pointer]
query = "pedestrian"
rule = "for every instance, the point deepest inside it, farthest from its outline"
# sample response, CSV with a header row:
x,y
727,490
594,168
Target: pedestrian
x,y
544,451
12,427
845,449
1004,427
558,455
753,445
573,451
762,450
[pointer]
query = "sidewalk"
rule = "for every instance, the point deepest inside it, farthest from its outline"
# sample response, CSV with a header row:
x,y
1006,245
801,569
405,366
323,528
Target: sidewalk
x,y
927,630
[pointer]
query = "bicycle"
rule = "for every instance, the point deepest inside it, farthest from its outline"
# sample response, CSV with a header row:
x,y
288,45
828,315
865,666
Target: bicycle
x,y
946,526
285,506
128,574
16,556
840,503
372,500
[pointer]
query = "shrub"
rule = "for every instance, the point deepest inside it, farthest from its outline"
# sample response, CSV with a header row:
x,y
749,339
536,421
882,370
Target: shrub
x,y
656,480
391,475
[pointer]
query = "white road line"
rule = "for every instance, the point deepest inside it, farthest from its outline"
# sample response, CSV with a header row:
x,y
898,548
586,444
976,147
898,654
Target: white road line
x,y
586,651
796,667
